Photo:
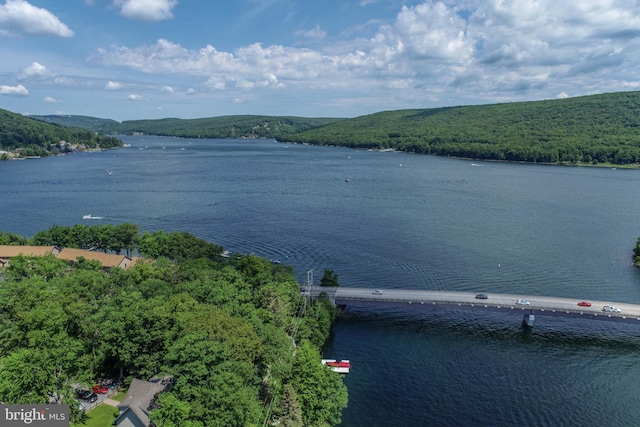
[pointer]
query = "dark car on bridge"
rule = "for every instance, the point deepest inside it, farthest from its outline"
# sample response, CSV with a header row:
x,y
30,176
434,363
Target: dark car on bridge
x,y
482,296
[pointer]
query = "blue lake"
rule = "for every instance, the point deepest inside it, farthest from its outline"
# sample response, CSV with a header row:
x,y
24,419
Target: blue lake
x,y
396,220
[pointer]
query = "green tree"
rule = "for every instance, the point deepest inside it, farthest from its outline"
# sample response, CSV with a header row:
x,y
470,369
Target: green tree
x,y
321,393
219,389
172,412
12,239
316,325
125,237
24,378
329,279
291,415
45,267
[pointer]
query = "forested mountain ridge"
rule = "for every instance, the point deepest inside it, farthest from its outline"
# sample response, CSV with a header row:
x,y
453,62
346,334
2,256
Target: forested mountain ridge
x,y
595,129
22,136
231,127
590,129
84,122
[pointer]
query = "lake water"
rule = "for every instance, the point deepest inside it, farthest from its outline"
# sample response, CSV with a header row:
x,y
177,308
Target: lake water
x,y
395,220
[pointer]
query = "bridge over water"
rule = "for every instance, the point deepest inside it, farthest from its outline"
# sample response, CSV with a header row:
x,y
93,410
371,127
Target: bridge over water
x,y
506,303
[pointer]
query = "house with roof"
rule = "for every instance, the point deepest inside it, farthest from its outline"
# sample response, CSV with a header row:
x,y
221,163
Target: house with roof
x,y
9,251
108,261
135,408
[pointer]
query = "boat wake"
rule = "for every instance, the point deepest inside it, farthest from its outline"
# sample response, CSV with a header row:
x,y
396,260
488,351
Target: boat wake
x,y
89,216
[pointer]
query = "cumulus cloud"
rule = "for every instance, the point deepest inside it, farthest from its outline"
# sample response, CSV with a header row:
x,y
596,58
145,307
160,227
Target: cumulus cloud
x,y
19,17
430,31
134,97
167,89
50,100
14,90
34,71
113,85
429,51
146,10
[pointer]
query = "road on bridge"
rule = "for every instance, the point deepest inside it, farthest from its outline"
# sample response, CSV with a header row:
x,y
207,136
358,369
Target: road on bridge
x,y
537,304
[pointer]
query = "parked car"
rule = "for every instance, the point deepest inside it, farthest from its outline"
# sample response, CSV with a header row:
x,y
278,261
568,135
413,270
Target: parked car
x,y
87,396
377,292
584,304
482,296
523,302
611,309
78,406
100,389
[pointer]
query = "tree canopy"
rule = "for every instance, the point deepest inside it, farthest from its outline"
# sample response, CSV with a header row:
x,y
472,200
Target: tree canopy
x,y
231,333
23,137
590,130
228,127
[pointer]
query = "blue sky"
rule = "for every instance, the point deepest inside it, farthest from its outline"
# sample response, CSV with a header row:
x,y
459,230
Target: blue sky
x,y
146,59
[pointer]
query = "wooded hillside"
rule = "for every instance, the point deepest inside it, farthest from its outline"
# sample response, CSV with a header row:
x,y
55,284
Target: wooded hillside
x,y
84,122
590,129
23,136
212,127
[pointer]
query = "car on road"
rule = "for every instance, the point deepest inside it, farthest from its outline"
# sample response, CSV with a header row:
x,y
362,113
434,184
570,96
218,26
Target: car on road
x,y
86,395
482,296
523,302
377,292
100,389
584,304
611,309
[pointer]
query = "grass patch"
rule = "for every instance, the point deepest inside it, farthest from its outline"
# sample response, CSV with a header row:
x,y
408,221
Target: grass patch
x,y
119,396
100,416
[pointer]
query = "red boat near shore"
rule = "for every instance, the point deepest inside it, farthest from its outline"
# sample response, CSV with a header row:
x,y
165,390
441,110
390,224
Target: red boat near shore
x,y
339,366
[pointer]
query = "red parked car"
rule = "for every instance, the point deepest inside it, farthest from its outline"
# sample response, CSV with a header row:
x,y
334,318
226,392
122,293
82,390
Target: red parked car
x,y
99,389
584,304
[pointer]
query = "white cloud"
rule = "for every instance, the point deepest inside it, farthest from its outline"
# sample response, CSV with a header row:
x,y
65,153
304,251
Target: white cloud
x,y
113,85
50,100
436,51
316,34
21,17
14,90
191,91
430,31
33,72
167,89
146,10
134,97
